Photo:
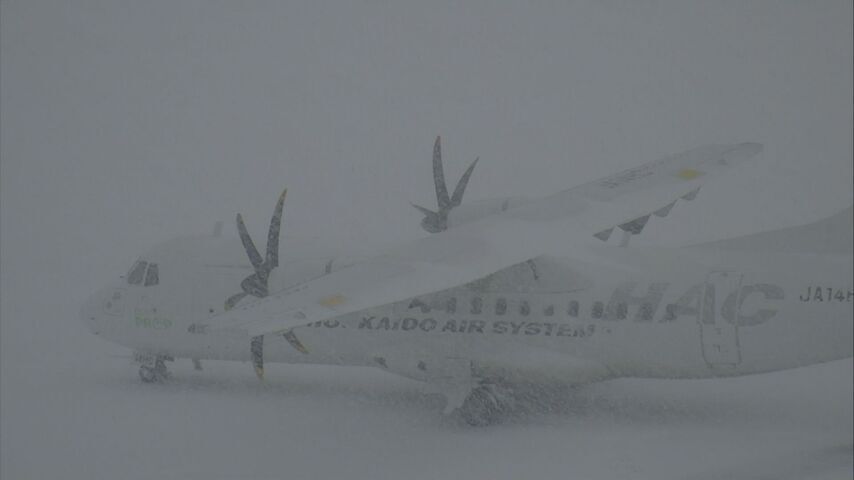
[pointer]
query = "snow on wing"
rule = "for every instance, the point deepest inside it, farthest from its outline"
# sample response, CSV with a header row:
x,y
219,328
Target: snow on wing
x,y
563,223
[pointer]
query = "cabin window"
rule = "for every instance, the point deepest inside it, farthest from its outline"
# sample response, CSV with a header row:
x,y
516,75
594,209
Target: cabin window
x,y
670,312
622,311
549,311
573,309
451,305
137,272
646,312
152,276
476,305
524,308
598,309
500,306
418,303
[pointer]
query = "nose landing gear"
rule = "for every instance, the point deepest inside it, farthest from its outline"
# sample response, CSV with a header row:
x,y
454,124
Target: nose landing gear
x,y
152,369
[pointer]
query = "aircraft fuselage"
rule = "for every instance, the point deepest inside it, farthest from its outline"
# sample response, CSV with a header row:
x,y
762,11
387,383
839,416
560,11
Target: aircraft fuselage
x,y
665,312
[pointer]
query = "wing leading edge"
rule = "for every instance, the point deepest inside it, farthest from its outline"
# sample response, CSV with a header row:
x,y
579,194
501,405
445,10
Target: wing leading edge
x,y
563,223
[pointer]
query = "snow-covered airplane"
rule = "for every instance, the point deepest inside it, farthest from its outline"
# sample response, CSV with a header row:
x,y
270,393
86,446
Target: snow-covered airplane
x,y
505,292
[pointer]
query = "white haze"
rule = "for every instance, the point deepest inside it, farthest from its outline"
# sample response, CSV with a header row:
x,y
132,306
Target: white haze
x,y
128,123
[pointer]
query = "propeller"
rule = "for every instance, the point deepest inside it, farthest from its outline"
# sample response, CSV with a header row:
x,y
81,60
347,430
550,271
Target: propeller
x,y
256,283
435,222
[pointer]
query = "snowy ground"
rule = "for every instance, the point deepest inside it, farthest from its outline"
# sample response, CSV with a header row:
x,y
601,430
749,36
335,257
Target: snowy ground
x,y
81,413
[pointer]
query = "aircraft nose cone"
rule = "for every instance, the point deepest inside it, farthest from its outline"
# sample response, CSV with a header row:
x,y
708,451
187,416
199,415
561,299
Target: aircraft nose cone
x,y
103,308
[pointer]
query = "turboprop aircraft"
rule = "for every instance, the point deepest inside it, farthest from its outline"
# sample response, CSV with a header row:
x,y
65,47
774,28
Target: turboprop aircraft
x,y
504,293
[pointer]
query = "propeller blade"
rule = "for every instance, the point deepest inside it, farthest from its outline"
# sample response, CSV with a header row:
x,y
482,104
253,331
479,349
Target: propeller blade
x,y
294,341
256,347
433,222
272,260
457,199
425,211
232,300
442,197
255,285
251,251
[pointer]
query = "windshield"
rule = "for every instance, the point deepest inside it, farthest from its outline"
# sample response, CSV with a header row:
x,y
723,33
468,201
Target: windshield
x,y
136,272
152,276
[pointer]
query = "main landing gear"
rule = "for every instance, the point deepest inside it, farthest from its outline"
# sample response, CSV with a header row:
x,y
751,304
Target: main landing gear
x,y
489,403
152,369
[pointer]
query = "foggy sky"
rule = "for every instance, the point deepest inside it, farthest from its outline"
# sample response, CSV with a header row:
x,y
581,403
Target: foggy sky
x,y
126,123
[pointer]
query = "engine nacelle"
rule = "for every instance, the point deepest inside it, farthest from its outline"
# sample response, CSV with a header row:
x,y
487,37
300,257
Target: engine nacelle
x,y
294,272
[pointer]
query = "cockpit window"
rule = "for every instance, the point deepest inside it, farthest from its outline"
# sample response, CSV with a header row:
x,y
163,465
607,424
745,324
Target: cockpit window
x,y
137,272
152,277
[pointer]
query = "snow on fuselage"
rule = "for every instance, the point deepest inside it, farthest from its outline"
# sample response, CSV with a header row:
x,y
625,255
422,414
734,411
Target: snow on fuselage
x,y
651,312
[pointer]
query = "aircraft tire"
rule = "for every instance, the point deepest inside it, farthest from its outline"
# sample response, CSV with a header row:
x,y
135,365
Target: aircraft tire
x,y
148,374
486,405
154,373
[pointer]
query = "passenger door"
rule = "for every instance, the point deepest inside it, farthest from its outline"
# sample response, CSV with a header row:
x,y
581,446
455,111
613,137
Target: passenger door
x,y
719,337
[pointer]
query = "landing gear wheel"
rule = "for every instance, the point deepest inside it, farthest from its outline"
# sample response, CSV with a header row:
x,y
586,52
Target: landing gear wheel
x,y
154,372
148,374
486,405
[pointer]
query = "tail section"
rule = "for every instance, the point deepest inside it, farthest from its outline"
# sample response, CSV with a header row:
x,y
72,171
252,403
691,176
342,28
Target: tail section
x,y
834,234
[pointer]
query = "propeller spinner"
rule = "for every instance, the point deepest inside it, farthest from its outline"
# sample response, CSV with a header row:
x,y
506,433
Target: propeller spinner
x,y
256,283
435,222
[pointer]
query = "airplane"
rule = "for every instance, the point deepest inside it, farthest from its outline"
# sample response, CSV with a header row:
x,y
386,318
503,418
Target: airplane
x,y
503,294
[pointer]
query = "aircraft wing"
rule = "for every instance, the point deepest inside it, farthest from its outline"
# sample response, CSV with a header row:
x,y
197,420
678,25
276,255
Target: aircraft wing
x,y
559,224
